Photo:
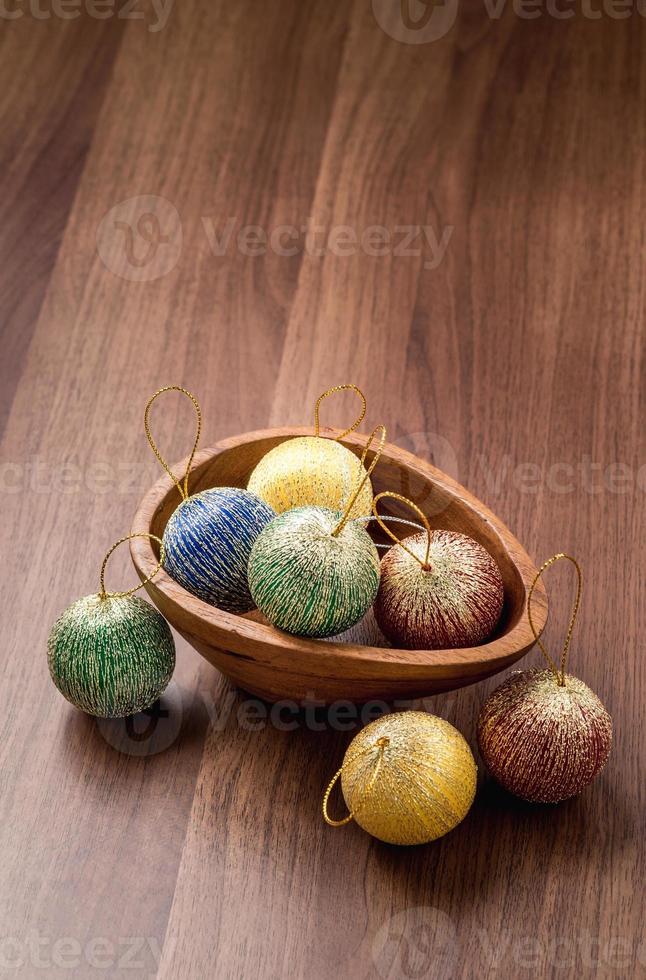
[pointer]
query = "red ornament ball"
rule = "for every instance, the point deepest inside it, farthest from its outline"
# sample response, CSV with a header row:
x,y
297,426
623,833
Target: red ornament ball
x,y
455,601
541,740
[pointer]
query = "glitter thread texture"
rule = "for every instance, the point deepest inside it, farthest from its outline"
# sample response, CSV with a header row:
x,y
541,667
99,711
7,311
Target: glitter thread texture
x,y
208,540
311,470
455,604
111,657
308,582
541,740
426,784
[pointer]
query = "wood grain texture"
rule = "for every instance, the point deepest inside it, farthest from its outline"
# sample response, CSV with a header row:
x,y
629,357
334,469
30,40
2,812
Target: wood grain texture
x,y
516,364
54,79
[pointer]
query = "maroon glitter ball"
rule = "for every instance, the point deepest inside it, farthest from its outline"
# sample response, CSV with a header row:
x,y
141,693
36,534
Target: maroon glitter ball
x,y
455,603
542,741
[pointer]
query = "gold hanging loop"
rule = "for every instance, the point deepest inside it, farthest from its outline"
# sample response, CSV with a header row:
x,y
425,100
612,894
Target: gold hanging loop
x,y
381,744
366,476
559,674
404,500
331,391
122,595
183,486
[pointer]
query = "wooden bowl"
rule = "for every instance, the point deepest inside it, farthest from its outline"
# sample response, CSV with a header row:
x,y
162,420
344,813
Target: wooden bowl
x,y
275,665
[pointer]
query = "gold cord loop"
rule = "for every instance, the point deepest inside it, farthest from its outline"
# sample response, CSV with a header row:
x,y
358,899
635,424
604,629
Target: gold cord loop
x,y
381,744
326,797
331,391
366,476
392,536
560,676
182,487
122,595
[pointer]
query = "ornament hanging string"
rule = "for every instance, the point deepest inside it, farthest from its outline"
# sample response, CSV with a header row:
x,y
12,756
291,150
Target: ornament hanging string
x,y
366,476
123,595
559,673
409,503
183,486
380,744
387,517
358,420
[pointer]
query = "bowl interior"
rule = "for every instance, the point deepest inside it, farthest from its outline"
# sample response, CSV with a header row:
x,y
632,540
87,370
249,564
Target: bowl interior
x,y
233,466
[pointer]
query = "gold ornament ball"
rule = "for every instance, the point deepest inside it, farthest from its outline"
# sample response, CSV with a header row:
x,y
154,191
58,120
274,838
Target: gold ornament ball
x,y
311,470
425,784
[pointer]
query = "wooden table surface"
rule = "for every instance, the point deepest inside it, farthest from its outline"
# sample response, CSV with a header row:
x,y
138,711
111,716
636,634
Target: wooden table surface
x,y
496,326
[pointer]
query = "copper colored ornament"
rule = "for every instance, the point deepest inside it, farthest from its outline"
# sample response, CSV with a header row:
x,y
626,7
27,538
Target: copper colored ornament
x,y
543,734
542,740
439,590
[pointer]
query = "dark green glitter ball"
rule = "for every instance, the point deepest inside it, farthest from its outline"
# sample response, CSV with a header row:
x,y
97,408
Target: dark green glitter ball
x,y
307,581
111,656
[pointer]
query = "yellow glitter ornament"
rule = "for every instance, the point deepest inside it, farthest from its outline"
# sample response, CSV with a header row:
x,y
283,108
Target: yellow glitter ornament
x,y
313,470
407,778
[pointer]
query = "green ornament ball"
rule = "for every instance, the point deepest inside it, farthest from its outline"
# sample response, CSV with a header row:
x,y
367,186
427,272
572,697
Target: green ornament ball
x,y
308,581
111,656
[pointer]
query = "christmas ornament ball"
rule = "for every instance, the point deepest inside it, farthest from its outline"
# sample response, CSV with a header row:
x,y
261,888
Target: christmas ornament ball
x,y
111,656
311,470
426,782
207,543
542,740
455,601
308,581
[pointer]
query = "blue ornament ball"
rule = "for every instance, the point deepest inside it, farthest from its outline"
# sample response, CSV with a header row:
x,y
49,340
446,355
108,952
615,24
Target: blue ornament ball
x,y
207,543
